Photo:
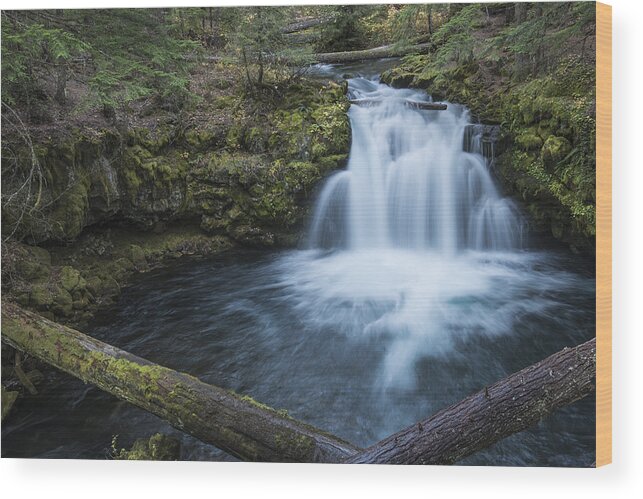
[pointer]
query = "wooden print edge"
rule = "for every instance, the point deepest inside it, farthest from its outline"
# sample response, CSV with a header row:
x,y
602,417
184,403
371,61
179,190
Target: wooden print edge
x,y
603,234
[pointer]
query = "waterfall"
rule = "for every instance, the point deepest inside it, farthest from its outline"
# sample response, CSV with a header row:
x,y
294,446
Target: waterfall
x,y
416,179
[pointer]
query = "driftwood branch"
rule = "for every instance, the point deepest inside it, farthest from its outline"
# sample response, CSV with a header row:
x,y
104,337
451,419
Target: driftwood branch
x,y
368,54
235,424
495,412
413,104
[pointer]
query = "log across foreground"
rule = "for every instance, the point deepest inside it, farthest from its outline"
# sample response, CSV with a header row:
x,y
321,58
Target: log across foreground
x,y
255,432
238,425
511,405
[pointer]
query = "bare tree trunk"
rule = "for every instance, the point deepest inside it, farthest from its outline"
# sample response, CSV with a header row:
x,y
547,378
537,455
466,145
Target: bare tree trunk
x,y
61,82
247,67
430,20
506,407
234,423
520,16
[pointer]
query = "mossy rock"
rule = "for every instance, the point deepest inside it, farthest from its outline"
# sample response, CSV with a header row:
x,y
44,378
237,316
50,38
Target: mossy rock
x,y
554,150
213,224
136,255
70,215
125,264
103,286
529,141
40,255
62,303
40,296
70,278
158,447
32,270
251,236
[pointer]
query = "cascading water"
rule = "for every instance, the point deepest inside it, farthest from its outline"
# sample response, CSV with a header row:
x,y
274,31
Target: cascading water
x,y
411,183
421,237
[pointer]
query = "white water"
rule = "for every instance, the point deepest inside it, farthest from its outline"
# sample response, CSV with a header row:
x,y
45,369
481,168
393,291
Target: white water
x,y
410,183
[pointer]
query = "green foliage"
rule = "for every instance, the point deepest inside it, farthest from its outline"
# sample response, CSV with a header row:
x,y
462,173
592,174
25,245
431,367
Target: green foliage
x,y
454,39
345,31
27,50
139,58
257,40
123,54
558,108
538,42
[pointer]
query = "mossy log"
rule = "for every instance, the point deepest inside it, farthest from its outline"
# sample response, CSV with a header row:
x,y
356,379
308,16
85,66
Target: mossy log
x,y
368,54
413,104
502,409
234,423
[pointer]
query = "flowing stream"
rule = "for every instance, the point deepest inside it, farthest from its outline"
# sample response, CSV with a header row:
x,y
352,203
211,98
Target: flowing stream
x,y
415,287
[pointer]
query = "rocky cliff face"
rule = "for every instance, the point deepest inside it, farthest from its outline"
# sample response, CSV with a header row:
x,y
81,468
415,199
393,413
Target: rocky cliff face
x,y
250,184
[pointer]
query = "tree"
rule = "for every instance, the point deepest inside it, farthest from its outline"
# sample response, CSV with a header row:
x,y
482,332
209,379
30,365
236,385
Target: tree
x,y
344,31
32,51
122,54
259,43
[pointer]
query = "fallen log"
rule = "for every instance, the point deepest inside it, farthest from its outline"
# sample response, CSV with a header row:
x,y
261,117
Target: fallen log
x,y
236,424
502,409
368,54
432,106
306,24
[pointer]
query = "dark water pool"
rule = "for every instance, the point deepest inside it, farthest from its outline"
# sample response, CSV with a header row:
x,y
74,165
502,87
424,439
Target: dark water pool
x,y
360,345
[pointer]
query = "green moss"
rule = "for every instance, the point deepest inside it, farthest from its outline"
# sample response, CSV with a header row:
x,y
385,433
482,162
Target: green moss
x,y
292,444
158,447
69,215
103,286
40,296
63,304
554,150
234,137
31,270
136,255
70,278
529,141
